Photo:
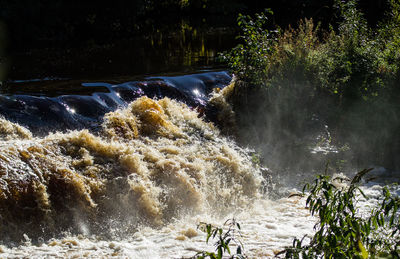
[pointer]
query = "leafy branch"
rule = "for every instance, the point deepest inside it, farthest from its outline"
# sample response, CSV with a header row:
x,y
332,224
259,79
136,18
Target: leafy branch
x,y
341,232
224,240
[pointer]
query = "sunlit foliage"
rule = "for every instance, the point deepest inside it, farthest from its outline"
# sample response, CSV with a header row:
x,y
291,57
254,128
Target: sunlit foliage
x,y
341,231
347,76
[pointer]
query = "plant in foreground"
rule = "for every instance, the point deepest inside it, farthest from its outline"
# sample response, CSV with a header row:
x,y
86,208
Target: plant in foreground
x,y
341,232
224,240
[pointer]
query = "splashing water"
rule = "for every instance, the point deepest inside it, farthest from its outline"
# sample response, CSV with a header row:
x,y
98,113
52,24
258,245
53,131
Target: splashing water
x,y
152,161
60,105
139,184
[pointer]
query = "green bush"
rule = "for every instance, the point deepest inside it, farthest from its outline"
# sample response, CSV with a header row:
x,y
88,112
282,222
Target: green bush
x,y
346,76
248,60
341,232
352,56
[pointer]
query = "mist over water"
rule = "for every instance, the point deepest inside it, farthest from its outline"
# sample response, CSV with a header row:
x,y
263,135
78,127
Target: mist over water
x,y
131,168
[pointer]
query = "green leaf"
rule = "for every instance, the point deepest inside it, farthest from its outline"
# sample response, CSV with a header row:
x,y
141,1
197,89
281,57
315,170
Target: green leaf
x,y
220,253
239,250
359,175
363,251
375,222
362,193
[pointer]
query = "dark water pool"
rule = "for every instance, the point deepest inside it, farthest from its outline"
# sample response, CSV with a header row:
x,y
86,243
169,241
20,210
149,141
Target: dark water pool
x,y
184,51
60,89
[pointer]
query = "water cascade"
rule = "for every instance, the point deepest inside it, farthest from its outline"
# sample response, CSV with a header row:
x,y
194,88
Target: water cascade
x,y
129,169
143,164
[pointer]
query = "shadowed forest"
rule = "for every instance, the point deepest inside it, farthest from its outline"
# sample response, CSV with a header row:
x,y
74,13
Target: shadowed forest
x,y
41,24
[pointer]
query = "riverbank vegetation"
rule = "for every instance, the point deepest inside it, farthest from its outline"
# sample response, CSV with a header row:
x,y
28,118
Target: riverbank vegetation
x,y
291,81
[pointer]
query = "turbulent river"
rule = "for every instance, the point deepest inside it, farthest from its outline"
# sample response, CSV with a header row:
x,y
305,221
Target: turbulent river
x,y
129,169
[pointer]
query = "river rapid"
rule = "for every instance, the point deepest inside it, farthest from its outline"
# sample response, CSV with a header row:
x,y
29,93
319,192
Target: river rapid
x,y
130,169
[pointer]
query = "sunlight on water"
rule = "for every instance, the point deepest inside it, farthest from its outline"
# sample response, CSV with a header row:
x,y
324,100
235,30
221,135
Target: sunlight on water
x,y
153,161
139,186
10,131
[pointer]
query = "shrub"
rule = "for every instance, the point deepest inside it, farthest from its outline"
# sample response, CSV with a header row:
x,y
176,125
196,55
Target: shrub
x,y
224,240
346,76
341,232
249,59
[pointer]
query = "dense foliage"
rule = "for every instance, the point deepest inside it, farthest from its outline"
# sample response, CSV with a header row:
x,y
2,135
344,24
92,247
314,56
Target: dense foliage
x,y
347,76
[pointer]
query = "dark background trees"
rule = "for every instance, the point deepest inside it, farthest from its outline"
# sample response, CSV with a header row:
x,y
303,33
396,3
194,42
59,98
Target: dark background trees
x,y
59,23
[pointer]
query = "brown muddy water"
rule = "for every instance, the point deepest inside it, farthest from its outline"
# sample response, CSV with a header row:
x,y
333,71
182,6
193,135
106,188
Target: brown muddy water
x,y
135,179
120,158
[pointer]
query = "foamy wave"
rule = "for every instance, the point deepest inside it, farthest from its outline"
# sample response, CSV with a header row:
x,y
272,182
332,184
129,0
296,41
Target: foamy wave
x,y
10,131
153,161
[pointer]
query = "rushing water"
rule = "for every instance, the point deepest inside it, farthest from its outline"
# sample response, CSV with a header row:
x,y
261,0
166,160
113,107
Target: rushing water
x,y
129,169
50,105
